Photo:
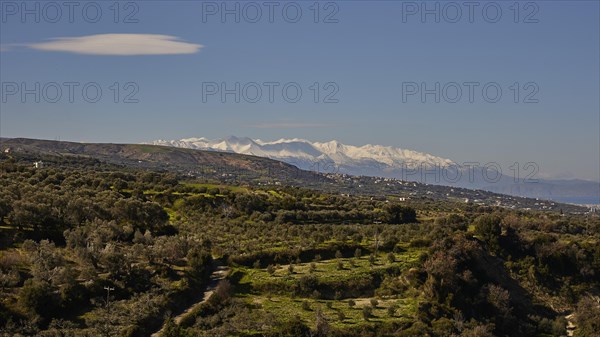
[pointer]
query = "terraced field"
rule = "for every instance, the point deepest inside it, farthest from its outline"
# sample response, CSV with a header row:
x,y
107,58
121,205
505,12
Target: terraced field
x,y
305,289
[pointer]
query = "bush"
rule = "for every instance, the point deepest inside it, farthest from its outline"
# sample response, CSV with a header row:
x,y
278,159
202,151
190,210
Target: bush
x,y
337,296
372,259
391,310
223,292
307,284
391,257
587,318
199,259
487,228
37,297
172,330
213,191
294,327
398,214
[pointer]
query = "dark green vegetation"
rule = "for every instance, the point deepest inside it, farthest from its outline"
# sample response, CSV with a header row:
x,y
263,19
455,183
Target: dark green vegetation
x,y
302,262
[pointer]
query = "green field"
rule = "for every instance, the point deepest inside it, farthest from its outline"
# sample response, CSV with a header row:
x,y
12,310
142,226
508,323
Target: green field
x,y
254,284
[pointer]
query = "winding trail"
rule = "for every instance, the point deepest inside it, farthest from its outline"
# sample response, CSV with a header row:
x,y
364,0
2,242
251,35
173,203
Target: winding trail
x,y
219,273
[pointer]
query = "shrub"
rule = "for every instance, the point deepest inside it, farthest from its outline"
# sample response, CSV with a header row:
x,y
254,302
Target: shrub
x,y
487,227
198,259
398,214
372,259
587,317
391,310
391,258
37,297
294,327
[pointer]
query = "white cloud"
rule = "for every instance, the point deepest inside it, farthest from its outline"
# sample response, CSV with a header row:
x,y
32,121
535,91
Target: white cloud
x,y
119,44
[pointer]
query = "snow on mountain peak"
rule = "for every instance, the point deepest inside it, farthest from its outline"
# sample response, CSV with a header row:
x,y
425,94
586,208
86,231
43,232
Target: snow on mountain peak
x,y
304,153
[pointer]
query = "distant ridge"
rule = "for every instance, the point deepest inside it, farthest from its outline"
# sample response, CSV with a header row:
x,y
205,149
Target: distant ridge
x,y
386,161
168,158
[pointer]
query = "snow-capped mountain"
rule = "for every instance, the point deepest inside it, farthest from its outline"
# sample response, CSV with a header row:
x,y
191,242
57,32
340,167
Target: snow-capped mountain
x,y
390,162
386,161
367,159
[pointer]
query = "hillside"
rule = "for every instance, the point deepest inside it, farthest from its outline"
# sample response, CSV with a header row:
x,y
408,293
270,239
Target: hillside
x,y
227,167
95,249
185,161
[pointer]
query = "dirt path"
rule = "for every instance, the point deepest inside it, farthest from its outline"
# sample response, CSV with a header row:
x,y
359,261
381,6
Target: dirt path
x,y
217,275
570,325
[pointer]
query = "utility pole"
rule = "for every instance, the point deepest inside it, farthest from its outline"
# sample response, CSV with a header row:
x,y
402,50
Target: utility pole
x,y
373,256
108,290
376,238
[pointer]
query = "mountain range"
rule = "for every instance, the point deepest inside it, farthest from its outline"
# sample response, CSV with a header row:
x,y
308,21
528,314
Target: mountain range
x,y
394,162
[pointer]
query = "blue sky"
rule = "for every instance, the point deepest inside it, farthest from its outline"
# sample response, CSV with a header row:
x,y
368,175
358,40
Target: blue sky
x,y
366,61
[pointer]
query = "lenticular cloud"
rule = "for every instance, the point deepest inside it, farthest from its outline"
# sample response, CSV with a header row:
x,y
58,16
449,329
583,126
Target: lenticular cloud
x,y
119,44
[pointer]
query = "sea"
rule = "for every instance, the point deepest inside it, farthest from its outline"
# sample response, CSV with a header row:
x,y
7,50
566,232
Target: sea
x,y
584,201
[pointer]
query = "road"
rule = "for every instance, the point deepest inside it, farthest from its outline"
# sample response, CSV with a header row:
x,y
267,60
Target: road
x,y
216,276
